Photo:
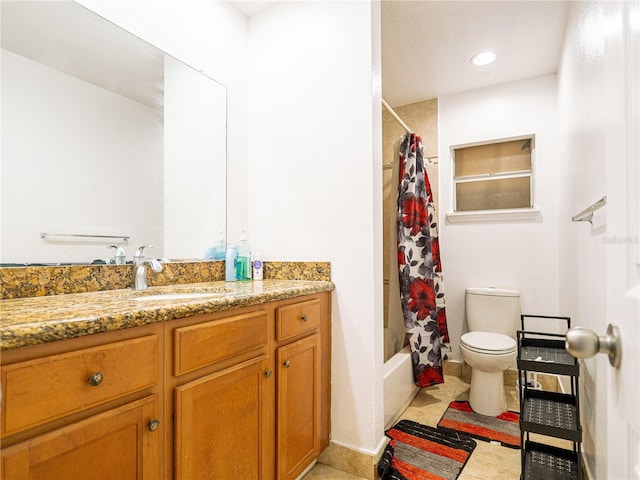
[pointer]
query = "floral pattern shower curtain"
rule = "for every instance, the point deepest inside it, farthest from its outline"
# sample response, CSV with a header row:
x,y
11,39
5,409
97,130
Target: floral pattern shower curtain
x,y
420,270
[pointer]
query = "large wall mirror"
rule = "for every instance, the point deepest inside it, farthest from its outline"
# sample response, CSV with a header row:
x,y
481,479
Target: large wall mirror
x,y
105,140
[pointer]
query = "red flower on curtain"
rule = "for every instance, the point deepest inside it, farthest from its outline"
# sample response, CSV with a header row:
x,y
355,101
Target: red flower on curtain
x,y
402,259
422,297
430,376
414,213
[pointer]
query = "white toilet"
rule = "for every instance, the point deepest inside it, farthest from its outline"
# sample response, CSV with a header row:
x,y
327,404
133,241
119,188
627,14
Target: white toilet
x,y
489,347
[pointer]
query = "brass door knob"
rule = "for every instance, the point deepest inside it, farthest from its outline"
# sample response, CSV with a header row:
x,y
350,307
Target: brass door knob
x,y
96,379
153,425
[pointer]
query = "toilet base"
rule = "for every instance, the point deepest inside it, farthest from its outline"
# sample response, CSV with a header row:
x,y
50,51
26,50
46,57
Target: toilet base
x,y
487,395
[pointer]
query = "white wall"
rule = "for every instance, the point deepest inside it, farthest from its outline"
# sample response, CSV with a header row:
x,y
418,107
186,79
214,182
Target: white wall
x,y
520,255
583,109
315,180
44,181
210,36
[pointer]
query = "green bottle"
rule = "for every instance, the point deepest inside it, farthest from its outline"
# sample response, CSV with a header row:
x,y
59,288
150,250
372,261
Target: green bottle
x,y
243,265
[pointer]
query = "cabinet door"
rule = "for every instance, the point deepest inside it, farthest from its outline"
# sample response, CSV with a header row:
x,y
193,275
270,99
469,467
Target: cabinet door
x,y
298,435
224,425
122,443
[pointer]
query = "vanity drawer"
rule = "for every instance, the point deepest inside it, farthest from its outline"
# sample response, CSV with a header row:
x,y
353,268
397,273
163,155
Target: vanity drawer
x,y
297,318
44,389
203,344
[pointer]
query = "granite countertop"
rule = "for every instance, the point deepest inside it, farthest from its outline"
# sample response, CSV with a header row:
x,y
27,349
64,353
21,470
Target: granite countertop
x,y
35,320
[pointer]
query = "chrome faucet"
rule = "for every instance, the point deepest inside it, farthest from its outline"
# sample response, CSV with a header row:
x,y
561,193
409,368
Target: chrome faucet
x,y
140,263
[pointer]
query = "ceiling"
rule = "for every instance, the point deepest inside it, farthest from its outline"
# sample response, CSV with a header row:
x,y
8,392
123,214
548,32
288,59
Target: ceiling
x,y
427,44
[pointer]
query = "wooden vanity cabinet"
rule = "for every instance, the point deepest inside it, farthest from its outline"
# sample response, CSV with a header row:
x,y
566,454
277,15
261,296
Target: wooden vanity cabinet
x,y
222,383
253,401
83,408
299,397
239,394
120,443
298,406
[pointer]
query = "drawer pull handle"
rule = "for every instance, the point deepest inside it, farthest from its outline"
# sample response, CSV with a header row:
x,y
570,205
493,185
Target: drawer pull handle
x,y
287,364
268,373
95,379
153,425
304,318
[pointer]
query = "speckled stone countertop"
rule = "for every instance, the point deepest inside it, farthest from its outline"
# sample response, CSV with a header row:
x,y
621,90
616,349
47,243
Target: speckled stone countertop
x,y
41,319
39,281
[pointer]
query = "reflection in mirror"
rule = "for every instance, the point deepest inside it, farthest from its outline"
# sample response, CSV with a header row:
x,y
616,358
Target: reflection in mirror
x,y
104,135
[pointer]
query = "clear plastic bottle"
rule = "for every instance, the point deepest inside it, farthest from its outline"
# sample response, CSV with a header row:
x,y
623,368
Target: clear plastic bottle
x,y
243,264
230,264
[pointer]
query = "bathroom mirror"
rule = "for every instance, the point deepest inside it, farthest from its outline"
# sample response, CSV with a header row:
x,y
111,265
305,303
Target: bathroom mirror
x,y
105,140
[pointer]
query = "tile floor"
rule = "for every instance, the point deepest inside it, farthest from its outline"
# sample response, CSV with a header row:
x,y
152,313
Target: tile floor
x,y
488,462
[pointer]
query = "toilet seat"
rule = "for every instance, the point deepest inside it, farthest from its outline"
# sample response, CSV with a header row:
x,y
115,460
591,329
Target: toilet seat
x,y
488,343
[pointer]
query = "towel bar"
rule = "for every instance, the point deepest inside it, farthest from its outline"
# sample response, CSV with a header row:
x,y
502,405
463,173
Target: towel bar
x,y
79,235
587,214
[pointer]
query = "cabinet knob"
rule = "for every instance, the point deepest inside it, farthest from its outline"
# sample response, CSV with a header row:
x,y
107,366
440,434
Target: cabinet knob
x,y
304,318
287,364
268,373
153,425
95,379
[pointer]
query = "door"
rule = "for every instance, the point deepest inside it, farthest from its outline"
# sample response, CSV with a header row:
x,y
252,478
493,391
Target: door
x,y
623,234
298,425
123,443
223,424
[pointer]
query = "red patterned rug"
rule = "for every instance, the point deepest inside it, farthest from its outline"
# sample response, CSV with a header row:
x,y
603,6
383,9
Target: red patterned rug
x,y
505,428
417,451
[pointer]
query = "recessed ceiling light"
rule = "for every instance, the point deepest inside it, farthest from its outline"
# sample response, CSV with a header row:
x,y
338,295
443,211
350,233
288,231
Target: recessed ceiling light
x,y
484,58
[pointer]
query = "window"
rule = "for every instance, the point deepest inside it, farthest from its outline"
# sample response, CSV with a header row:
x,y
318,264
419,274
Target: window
x,y
494,176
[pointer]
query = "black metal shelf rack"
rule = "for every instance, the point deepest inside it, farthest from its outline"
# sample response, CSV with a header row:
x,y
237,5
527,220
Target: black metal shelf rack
x,y
545,413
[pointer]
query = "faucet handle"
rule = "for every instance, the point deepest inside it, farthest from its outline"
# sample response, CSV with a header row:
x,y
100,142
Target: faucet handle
x,y
140,252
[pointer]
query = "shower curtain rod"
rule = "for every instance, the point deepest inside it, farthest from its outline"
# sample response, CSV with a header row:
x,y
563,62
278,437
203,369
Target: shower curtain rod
x,y
395,115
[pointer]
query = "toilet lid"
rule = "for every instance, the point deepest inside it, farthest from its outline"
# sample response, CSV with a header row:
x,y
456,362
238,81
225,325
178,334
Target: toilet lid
x,y
490,343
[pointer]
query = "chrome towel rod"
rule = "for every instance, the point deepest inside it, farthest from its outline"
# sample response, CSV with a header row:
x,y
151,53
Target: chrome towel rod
x,y
587,214
79,235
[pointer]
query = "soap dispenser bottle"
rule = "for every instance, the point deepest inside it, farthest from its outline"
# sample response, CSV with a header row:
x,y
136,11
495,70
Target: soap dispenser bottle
x,y
243,265
218,252
119,257
221,248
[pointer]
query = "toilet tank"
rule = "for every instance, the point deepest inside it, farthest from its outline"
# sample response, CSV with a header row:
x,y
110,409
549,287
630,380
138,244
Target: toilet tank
x,y
492,310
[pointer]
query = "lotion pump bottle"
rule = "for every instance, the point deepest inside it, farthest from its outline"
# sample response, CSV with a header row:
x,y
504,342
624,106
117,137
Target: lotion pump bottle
x,y
230,264
258,266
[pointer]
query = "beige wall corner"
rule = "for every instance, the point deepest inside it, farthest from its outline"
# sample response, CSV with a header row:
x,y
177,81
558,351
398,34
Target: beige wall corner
x,y
351,461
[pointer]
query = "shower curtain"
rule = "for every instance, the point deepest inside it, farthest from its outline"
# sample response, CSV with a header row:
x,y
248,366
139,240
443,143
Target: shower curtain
x,y
420,270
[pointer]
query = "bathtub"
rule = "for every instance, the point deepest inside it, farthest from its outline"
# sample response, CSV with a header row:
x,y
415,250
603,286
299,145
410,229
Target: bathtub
x,y
399,389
